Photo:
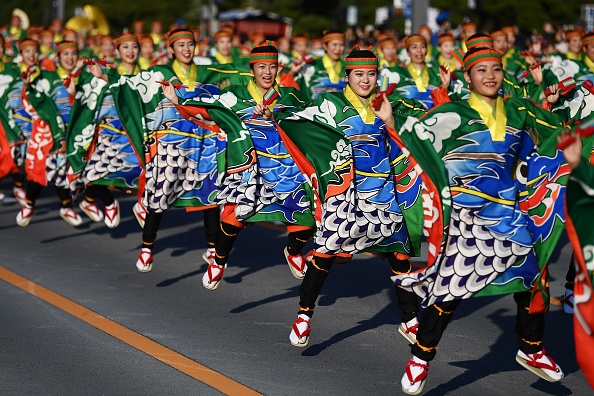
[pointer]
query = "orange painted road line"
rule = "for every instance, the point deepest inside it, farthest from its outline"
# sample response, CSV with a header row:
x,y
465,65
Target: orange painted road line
x,y
140,342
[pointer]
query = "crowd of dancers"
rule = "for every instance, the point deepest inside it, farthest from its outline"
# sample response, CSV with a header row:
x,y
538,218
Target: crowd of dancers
x,y
456,139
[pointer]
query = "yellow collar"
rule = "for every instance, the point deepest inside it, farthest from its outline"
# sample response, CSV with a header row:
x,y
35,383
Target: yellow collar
x,y
333,68
222,59
384,63
62,72
494,117
2,67
258,95
421,77
363,107
589,63
123,72
429,54
35,74
144,63
188,78
451,64
574,56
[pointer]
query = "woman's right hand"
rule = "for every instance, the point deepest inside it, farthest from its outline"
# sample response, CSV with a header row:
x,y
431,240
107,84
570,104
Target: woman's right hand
x,y
169,92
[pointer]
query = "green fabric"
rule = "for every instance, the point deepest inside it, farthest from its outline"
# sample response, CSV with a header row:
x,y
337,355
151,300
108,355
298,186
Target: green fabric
x,y
83,119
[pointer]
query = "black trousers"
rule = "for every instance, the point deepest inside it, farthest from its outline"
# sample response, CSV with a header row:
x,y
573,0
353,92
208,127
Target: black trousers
x,y
152,222
435,319
34,191
92,192
228,234
318,270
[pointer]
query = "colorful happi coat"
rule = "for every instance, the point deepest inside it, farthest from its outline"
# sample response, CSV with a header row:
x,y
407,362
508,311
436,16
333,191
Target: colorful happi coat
x,y
180,157
321,75
418,87
362,182
41,114
505,183
9,132
580,212
98,148
262,181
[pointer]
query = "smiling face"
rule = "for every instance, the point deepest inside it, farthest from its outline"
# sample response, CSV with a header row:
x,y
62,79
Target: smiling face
x,y
183,50
128,52
68,58
30,56
107,48
500,44
575,44
417,52
486,79
389,51
147,49
224,46
264,74
362,82
447,49
334,49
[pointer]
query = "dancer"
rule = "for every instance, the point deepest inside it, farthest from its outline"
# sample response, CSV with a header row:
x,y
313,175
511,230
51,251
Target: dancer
x,y
100,152
42,116
262,182
180,158
417,79
327,73
361,181
496,242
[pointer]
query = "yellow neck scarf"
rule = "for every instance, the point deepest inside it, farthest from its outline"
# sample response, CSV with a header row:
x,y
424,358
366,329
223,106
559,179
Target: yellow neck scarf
x,y
384,63
494,117
363,107
429,54
62,72
421,77
589,63
258,95
123,72
451,64
2,67
333,68
188,78
35,74
222,59
144,63
574,56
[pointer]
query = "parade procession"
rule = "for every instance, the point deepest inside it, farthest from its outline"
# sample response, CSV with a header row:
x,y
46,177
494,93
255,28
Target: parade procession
x,y
444,173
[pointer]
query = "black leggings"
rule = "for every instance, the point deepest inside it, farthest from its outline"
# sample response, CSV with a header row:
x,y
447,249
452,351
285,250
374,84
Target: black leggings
x,y
92,192
408,302
318,270
34,191
152,222
435,319
228,234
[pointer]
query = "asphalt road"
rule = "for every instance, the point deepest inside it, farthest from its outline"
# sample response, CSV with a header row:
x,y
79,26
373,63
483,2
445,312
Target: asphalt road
x,y
240,330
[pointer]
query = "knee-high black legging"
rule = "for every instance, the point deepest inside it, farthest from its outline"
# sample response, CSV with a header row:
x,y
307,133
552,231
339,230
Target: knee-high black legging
x,y
34,191
529,327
